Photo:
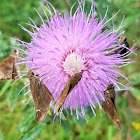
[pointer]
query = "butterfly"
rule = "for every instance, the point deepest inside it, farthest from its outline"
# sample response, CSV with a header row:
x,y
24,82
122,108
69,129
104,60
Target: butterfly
x,y
8,67
71,83
123,41
109,105
41,96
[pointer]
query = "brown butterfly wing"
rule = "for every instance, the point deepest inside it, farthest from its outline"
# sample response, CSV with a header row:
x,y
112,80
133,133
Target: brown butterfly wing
x,y
32,83
6,68
42,98
122,50
71,83
74,81
116,120
14,72
63,95
109,106
16,69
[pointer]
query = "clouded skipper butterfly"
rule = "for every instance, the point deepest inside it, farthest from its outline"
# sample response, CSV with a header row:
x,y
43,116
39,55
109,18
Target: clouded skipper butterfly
x,y
71,83
41,96
8,69
109,105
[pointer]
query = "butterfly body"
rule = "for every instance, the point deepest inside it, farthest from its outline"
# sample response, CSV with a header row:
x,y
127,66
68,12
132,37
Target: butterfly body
x,y
109,105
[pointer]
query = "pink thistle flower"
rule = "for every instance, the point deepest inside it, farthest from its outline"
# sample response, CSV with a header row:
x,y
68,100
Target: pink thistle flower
x,y
65,45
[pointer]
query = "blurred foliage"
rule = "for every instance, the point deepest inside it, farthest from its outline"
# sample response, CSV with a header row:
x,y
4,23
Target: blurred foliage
x,y
17,117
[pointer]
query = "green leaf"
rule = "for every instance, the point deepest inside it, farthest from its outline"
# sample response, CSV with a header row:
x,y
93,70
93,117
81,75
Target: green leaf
x,y
1,136
135,92
25,122
33,133
135,78
110,132
136,136
5,87
12,97
130,20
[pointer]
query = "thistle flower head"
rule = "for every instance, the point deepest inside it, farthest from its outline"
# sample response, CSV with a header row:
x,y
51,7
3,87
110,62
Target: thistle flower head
x,y
65,45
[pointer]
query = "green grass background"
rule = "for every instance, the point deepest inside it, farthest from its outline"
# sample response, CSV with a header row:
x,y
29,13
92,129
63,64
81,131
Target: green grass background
x,y
17,117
